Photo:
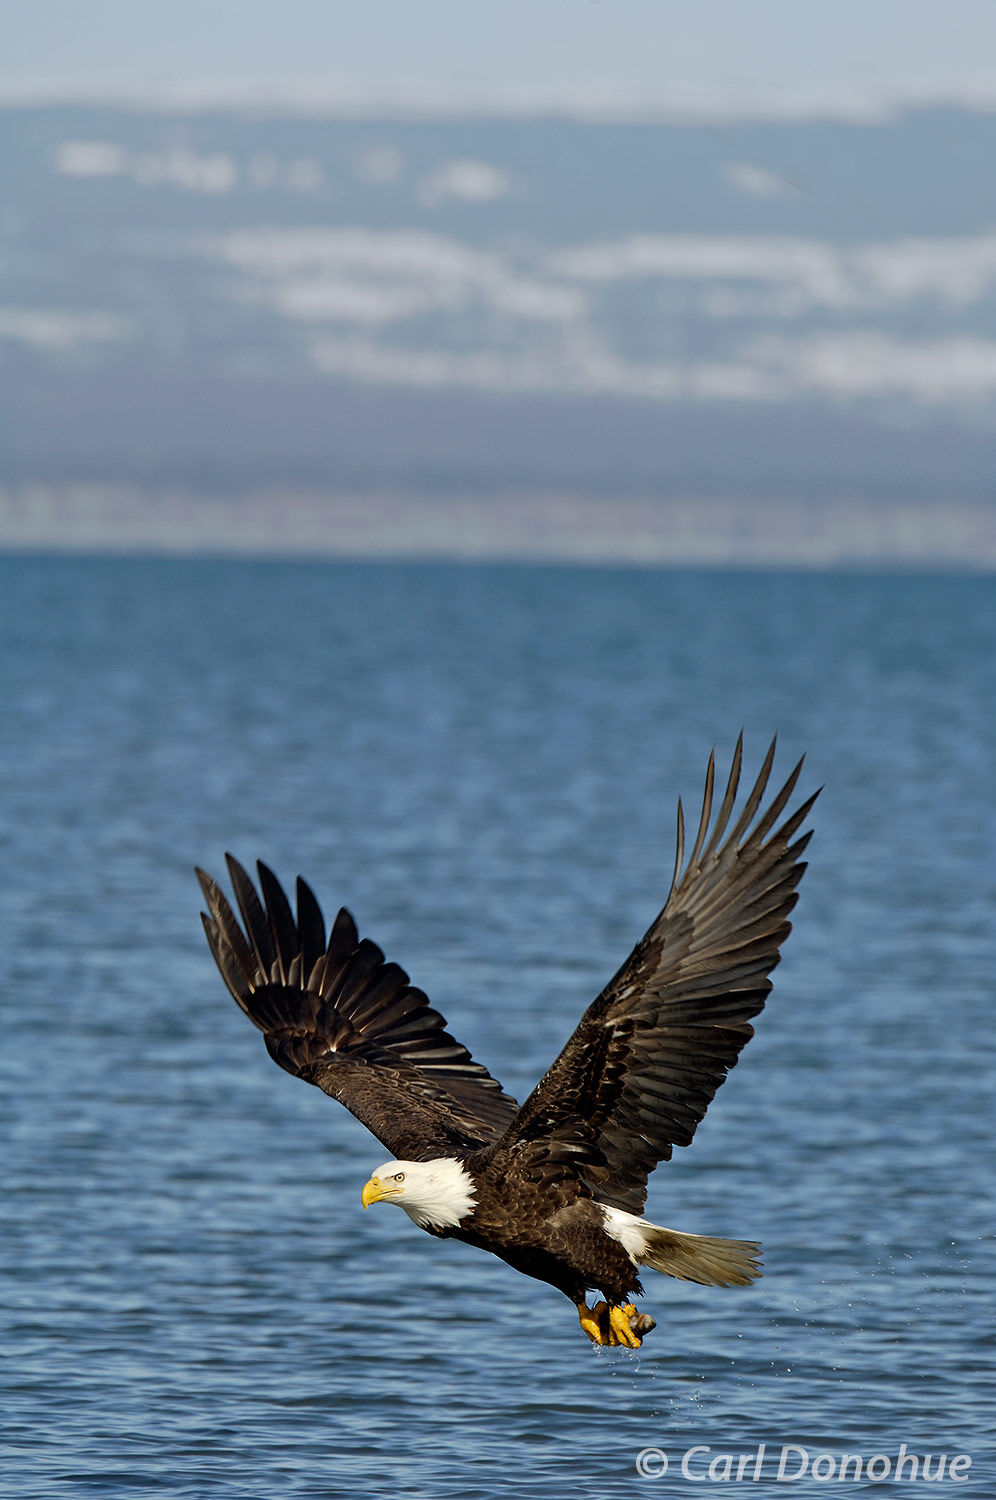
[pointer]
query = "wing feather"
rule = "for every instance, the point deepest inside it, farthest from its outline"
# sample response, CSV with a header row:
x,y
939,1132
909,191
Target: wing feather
x,y
647,1057
338,1015
310,927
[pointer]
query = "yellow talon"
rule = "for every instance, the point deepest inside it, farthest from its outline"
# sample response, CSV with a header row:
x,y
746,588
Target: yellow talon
x,y
593,1322
611,1325
619,1326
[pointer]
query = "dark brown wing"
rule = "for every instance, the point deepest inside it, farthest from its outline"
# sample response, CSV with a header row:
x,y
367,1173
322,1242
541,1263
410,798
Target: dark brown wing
x,y
336,1014
648,1055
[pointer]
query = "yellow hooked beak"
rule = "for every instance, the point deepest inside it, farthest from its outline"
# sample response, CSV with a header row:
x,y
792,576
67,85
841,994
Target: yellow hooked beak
x,y
373,1191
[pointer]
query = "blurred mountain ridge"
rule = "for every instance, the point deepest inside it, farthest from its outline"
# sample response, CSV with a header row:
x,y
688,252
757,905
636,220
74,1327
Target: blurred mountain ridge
x,y
226,300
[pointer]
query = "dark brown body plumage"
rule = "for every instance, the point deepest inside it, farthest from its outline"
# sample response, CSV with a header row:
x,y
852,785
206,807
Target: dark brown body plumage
x,y
565,1245
632,1082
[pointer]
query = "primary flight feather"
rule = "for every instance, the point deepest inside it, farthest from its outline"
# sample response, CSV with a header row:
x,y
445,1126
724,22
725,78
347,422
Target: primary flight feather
x,y
555,1187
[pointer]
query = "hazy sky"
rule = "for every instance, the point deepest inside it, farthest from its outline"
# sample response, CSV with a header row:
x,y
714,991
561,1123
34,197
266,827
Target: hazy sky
x,y
762,54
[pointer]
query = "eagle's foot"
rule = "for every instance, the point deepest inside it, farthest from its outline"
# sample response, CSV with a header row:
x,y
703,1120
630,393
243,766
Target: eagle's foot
x,y
620,1328
617,1325
595,1321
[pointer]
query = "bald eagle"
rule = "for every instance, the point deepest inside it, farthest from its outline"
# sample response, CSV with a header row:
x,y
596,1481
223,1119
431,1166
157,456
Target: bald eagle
x,y
556,1186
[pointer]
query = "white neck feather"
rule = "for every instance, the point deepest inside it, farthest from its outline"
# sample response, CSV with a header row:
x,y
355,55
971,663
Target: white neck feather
x,y
438,1194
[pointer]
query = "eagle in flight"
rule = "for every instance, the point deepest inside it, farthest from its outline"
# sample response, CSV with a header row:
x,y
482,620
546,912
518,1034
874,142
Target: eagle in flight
x,y
554,1186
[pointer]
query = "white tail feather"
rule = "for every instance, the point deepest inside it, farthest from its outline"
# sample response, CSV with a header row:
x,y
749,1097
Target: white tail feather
x,y
699,1257
689,1257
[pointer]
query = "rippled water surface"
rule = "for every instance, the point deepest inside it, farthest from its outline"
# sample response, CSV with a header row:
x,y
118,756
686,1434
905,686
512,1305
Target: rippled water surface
x,y
483,764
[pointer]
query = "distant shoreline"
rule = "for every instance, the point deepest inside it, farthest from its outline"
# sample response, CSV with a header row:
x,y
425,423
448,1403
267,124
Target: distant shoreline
x,y
339,102
542,526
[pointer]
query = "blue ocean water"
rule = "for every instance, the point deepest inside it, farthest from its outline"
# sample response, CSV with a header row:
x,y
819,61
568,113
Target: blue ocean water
x,y
483,764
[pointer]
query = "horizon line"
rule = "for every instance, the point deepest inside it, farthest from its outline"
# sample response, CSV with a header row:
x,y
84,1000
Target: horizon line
x,y
616,105
558,528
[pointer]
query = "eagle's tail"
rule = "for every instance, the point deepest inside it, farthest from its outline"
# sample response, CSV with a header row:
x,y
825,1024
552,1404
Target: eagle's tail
x,y
689,1257
700,1257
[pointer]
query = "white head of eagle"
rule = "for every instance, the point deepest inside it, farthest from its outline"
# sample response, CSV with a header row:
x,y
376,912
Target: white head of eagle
x,y
435,1194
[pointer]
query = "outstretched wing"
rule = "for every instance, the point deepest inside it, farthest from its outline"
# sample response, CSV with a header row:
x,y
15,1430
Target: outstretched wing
x,y
336,1014
648,1055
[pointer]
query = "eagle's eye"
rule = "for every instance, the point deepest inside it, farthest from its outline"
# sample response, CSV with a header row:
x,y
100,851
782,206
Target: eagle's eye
x,y
399,1176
